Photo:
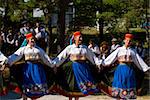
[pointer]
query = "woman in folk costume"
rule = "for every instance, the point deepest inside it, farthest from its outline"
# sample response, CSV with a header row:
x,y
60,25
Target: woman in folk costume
x,y
124,82
34,83
6,82
3,61
78,54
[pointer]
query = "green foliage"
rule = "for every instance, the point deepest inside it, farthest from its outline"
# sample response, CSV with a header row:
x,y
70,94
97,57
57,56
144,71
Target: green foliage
x,y
122,14
114,12
85,12
111,2
118,15
106,15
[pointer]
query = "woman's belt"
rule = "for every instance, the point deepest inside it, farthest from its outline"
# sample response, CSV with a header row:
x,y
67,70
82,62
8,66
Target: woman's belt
x,y
33,61
79,61
32,57
77,57
127,63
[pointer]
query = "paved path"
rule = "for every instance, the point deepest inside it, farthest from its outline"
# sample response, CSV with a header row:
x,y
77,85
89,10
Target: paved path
x,y
13,96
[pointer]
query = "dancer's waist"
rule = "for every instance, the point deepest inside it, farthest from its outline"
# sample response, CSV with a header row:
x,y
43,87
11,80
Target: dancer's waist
x,y
80,61
33,61
77,58
126,63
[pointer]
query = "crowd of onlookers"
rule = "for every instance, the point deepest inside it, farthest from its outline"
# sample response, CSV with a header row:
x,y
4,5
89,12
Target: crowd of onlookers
x,y
12,39
105,48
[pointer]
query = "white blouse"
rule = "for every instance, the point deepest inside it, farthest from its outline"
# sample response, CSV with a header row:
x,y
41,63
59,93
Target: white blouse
x,y
31,54
123,54
114,47
3,59
74,53
95,49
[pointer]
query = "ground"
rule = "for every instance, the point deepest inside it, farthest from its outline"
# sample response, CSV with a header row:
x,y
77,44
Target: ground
x,y
13,96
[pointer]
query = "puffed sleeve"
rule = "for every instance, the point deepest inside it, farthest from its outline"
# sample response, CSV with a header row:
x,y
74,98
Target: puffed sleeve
x,y
45,58
111,58
140,63
61,57
3,59
92,57
16,56
96,50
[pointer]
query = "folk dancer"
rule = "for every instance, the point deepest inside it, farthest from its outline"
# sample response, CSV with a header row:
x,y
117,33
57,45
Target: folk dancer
x,y
34,82
124,82
78,54
3,61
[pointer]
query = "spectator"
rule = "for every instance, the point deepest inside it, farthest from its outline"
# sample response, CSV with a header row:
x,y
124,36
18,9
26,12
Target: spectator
x,y
3,42
94,47
37,26
114,45
42,37
104,50
26,28
140,49
18,39
10,42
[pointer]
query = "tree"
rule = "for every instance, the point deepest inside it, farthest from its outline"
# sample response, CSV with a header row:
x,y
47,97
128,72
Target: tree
x,y
85,12
112,13
62,6
127,13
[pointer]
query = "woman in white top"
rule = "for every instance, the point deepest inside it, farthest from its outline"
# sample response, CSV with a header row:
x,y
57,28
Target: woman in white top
x,y
94,48
124,82
3,61
34,81
76,56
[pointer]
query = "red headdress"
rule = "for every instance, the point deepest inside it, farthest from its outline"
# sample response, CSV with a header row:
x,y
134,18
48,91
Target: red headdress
x,y
128,35
76,33
29,35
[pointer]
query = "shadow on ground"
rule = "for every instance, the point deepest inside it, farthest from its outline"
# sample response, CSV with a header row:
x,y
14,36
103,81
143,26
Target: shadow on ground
x,y
11,96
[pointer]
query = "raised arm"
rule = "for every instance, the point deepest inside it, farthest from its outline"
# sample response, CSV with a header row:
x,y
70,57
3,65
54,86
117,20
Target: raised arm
x,y
3,59
111,58
61,57
16,56
140,63
45,58
92,57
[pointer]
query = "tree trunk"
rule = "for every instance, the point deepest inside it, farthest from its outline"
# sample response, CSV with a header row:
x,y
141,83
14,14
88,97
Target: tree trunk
x,y
6,17
50,37
49,24
101,37
101,21
63,4
61,24
61,27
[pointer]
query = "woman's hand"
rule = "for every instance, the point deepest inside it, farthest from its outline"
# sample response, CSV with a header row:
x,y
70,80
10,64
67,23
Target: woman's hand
x,y
55,69
6,72
100,68
2,67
